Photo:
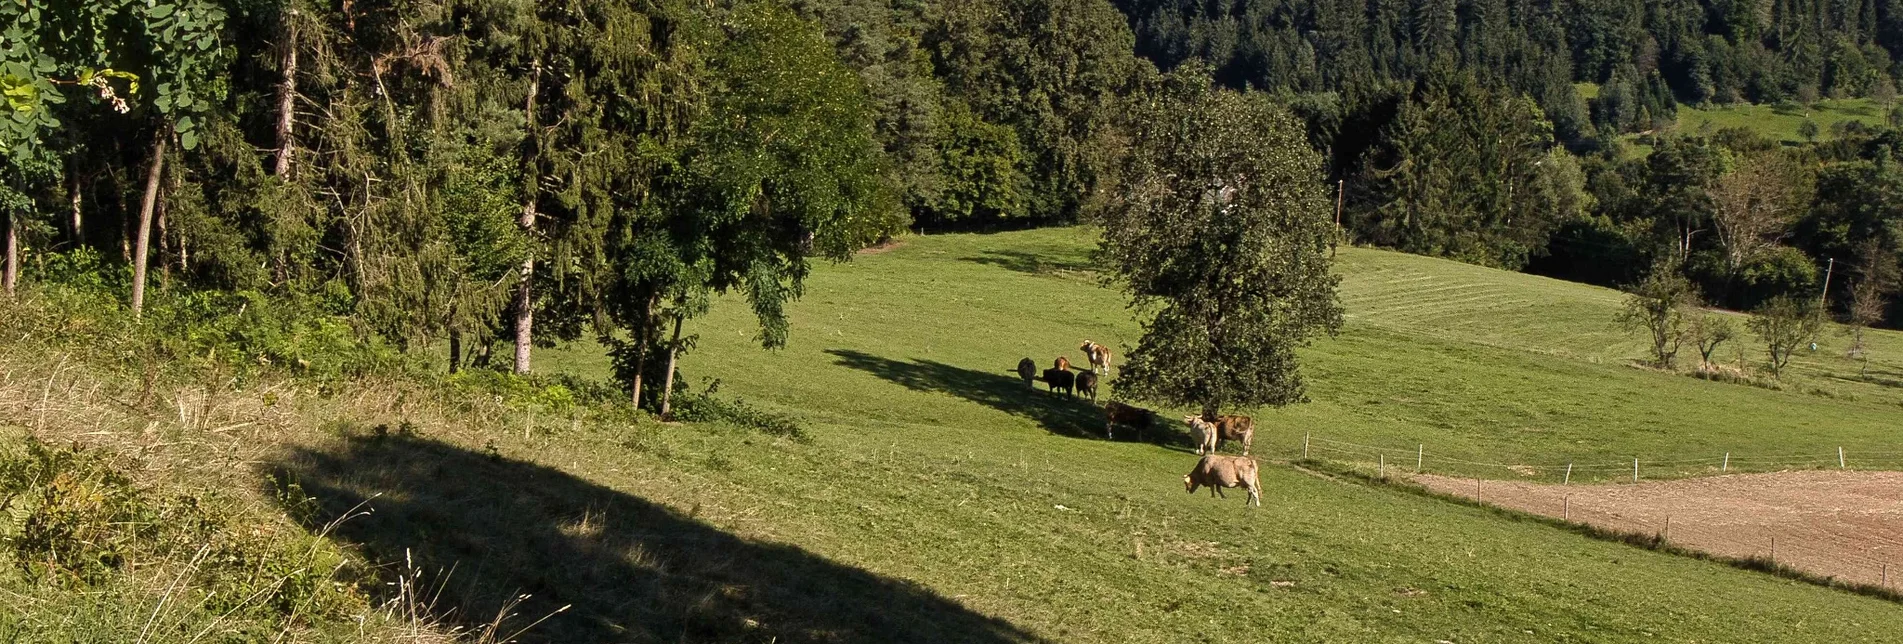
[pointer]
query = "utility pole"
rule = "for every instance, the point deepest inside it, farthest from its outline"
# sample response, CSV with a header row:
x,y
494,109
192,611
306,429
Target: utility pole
x,y
1828,269
1340,185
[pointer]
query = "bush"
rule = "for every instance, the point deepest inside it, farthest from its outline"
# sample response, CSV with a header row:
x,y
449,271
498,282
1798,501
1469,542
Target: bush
x,y
707,407
74,520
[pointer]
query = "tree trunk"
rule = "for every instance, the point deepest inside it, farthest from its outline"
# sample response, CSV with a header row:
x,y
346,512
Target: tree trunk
x,y
643,334
77,223
287,100
146,206
12,276
667,384
455,350
524,297
165,245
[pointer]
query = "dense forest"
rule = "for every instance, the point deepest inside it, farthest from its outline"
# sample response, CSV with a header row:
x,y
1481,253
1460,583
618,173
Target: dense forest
x,y
499,174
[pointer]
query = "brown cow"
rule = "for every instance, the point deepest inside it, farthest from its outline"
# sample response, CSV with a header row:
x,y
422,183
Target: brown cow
x,y
1087,384
1232,428
1099,356
1027,371
1061,379
1116,413
1062,363
1217,472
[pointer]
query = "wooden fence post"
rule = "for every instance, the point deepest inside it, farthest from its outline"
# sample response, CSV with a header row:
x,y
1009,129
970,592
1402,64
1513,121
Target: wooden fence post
x,y
1384,465
1667,534
1476,488
1420,456
1727,466
1635,470
1569,475
1568,515
1304,446
1840,457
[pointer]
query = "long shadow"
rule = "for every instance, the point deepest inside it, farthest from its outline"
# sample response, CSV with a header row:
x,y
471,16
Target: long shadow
x,y
1075,417
628,569
1025,262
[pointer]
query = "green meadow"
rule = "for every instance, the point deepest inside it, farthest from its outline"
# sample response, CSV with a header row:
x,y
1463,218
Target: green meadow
x,y
935,498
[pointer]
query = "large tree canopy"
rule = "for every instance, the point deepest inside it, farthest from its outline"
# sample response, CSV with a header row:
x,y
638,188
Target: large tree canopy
x,y
1222,231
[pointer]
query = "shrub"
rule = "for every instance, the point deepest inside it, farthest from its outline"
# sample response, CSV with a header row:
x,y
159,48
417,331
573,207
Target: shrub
x,y
74,520
706,406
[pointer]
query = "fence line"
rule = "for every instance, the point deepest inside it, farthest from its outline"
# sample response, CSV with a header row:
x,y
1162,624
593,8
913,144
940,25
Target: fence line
x,y
1850,560
1725,461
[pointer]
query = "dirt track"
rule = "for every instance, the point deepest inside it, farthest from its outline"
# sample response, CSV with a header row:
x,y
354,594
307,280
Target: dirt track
x,y
1846,525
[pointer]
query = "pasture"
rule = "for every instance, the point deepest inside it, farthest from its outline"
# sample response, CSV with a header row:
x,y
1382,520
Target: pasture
x,y
1781,122
931,461
1465,362
937,498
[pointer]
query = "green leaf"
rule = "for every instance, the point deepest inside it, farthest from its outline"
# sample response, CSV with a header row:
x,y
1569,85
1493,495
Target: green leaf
x,y
160,11
188,140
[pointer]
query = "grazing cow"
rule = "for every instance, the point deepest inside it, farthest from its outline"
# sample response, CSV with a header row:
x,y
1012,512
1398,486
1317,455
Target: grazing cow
x,y
1099,356
1203,432
1239,429
1027,370
1217,472
1116,413
1087,385
1061,379
1061,363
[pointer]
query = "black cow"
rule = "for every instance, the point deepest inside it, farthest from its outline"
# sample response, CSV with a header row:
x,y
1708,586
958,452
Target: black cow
x,y
1087,384
1027,369
1061,379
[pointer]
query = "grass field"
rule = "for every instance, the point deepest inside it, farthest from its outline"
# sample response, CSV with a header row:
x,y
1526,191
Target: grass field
x,y
937,499
1471,363
900,364
1781,122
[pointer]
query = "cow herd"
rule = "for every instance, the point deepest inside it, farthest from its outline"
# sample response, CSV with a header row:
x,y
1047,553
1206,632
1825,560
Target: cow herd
x,y
1214,471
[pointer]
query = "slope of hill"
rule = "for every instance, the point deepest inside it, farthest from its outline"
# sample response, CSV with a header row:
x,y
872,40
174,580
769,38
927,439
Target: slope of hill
x,y
1470,363
938,499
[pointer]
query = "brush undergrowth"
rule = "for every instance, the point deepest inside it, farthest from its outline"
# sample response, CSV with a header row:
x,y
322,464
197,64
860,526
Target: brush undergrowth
x,y
134,500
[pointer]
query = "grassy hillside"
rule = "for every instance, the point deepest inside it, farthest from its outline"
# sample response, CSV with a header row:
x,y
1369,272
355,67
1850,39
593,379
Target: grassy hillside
x,y
1781,122
937,499
1475,364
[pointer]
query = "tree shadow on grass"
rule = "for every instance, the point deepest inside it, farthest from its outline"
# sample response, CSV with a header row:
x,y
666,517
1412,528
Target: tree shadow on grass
x,y
630,570
1030,263
1003,391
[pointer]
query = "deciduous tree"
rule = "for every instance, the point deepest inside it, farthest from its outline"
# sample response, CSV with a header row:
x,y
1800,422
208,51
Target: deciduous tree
x,y
1783,324
1657,305
1222,232
1753,205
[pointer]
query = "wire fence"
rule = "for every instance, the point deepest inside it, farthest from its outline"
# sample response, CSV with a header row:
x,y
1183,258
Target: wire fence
x,y
1596,468
1852,552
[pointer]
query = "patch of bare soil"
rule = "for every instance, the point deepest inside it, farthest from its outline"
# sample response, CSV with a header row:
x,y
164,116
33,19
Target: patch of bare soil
x,y
1846,525
889,246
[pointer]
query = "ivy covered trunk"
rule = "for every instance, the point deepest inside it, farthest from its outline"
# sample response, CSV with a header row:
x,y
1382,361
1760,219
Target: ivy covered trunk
x,y
143,244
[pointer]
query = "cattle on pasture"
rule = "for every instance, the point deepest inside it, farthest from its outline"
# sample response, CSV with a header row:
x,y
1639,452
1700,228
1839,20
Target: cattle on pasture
x,y
1061,379
1027,371
1099,356
1216,472
1087,385
1116,413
